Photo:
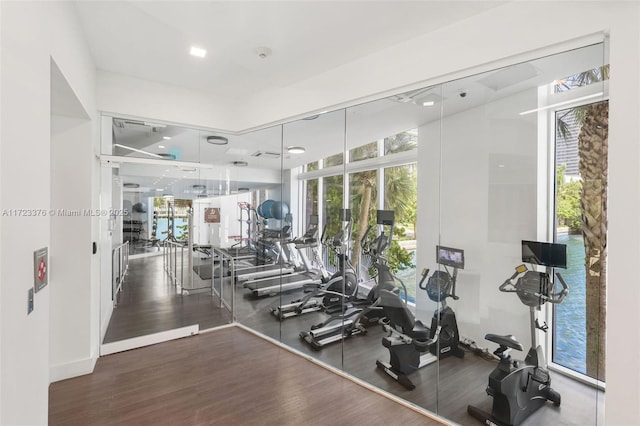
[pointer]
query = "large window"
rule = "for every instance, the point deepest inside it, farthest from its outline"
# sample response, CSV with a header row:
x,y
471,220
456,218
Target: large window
x,y
581,175
332,203
365,197
401,196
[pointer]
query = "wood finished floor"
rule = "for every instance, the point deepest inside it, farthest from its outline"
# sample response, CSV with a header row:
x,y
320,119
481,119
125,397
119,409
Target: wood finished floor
x,y
446,388
226,377
151,303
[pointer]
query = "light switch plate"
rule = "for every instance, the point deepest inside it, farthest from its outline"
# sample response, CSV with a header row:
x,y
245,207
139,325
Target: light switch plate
x,y
30,301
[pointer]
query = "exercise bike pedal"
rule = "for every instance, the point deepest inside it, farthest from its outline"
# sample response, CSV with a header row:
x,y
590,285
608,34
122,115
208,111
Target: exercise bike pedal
x,y
554,397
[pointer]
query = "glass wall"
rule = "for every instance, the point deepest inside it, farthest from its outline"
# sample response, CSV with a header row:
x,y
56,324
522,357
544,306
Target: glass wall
x,y
409,218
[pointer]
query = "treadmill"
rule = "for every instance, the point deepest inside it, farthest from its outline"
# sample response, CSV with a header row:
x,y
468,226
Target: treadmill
x,y
306,276
286,262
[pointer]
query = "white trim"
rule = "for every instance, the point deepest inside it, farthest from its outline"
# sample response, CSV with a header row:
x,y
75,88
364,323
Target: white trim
x,y
577,376
150,339
349,377
71,369
216,328
115,160
391,160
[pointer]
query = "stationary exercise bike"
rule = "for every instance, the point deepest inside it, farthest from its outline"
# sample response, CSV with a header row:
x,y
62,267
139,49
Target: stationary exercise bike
x,y
341,288
518,387
411,344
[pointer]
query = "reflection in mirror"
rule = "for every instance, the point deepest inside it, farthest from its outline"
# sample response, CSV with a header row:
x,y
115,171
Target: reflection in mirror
x,y
476,158
303,307
496,188
179,209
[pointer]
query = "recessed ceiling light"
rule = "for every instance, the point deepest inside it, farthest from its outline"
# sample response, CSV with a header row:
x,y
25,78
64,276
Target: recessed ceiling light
x,y
217,140
198,52
166,138
161,146
240,163
428,103
295,150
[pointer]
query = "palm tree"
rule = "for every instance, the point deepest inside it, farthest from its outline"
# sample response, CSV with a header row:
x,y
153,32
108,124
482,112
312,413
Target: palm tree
x,y
401,193
593,165
593,154
366,181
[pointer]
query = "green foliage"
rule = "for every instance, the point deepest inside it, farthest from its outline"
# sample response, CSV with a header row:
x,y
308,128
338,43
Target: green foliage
x,y
401,142
363,152
568,201
399,258
332,203
184,232
401,193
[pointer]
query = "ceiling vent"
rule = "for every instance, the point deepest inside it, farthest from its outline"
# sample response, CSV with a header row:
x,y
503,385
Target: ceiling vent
x,y
141,126
266,154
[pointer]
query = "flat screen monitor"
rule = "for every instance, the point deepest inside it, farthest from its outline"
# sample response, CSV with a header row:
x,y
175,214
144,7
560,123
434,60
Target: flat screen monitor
x,y
345,215
450,257
313,219
386,217
545,254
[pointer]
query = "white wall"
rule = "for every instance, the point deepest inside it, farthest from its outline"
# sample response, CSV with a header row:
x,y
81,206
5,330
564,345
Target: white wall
x,y
31,34
124,95
33,31
471,203
218,235
70,248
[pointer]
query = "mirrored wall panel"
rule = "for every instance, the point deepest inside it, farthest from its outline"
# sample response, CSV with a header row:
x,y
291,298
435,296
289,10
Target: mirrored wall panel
x,y
446,244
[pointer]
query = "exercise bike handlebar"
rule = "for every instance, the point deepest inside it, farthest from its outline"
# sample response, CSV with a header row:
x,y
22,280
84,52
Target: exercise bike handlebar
x,y
364,236
559,297
421,284
324,234
509,286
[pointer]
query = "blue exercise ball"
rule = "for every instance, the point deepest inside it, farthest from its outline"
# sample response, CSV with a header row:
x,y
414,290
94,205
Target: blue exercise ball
x,y
279,210
264,209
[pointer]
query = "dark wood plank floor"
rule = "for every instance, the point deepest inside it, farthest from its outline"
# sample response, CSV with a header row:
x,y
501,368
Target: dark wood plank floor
x,y
226,377
150,303
445,388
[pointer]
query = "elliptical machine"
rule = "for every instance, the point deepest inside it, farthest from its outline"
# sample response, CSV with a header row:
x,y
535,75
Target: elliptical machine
x,y
518,387
359,312
411,344
341,288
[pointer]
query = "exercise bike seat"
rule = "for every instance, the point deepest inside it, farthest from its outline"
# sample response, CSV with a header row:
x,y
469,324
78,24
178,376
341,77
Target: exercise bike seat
x,y
508,341
420,331
399,316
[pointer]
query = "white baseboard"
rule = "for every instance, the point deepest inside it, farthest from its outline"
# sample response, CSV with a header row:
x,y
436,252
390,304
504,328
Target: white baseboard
x,y
150,339
71,369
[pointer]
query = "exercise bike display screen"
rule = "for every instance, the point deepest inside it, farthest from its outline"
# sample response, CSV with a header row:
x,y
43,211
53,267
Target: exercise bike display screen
x,y
450,257
545,254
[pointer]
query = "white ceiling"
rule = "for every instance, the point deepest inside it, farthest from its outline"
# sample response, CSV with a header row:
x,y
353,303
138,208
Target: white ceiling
x,y
151,39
